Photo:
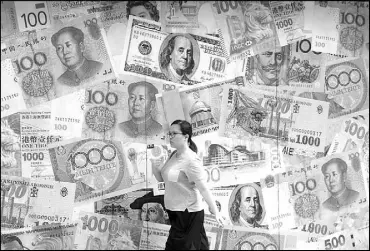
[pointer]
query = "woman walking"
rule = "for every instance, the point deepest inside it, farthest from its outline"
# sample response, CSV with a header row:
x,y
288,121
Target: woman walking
x,y
185,183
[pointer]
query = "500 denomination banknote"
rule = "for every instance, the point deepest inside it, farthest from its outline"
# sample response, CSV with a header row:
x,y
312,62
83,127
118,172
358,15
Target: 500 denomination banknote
x,y
53,62
245,28
324,191
177,57
247,113
31,202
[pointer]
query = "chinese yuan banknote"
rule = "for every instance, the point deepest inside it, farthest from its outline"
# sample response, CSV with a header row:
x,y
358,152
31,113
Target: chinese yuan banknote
x,y
245,28
118,111
32,202
345,30
323,192
247,113
46,68
148,50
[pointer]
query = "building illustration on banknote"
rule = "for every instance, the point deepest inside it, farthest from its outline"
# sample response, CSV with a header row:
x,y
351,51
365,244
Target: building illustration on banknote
x,y
201,115
257,120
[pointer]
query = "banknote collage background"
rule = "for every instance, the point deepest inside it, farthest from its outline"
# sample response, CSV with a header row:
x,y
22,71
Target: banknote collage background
x,y
277,93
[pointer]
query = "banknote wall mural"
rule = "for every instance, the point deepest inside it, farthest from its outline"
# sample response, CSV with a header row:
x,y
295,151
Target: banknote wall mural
x,y
277,93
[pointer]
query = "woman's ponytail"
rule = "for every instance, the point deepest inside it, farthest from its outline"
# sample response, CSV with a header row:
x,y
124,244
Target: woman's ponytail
x,y
192,145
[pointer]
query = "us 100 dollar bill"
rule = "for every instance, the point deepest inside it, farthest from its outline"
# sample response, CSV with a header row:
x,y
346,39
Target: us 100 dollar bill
x,y
32,202
247,113
177,57
46,68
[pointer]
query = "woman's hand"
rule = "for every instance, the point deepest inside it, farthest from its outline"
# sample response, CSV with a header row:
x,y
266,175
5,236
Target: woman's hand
x,y
218,216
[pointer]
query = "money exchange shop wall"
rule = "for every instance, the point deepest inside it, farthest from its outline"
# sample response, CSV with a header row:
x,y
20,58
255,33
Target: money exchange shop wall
x,y
276,92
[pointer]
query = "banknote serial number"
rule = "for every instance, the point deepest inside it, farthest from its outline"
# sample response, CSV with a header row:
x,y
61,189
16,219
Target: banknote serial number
x,y
55,218
308,132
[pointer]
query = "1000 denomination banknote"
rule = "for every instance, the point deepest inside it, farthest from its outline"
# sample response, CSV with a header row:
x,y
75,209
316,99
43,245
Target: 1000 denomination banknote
x,y
345,30
177,57
118,233
322,192
246,29
100,168
297,121
31,202
125,111
51,63
289,21
49,237
239,238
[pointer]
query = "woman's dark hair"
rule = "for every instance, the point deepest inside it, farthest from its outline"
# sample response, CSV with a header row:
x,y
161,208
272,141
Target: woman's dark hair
x,y
186,128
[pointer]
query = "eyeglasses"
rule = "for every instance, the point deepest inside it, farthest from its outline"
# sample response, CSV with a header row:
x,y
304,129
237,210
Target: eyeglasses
x,y
172,134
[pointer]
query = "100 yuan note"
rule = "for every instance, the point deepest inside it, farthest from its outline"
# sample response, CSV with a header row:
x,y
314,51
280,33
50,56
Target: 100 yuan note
x,y
200,105
118,111
99,168
289,21
49,237
11,93
344,31
326,190
31,202
245,29
149,51
46,68
247,113
17,16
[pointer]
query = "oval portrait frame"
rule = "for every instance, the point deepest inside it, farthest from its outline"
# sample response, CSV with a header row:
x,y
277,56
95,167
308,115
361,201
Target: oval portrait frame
x,y
259,191
196,51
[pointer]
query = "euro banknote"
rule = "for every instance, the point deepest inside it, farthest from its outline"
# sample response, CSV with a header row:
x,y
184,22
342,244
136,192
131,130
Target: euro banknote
x,y
125,112
247,113
118,233
149,52
346,87
323,192
291,67
200,105
245,29
345,30
289,17
194,17
49,237
31,202
47,69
